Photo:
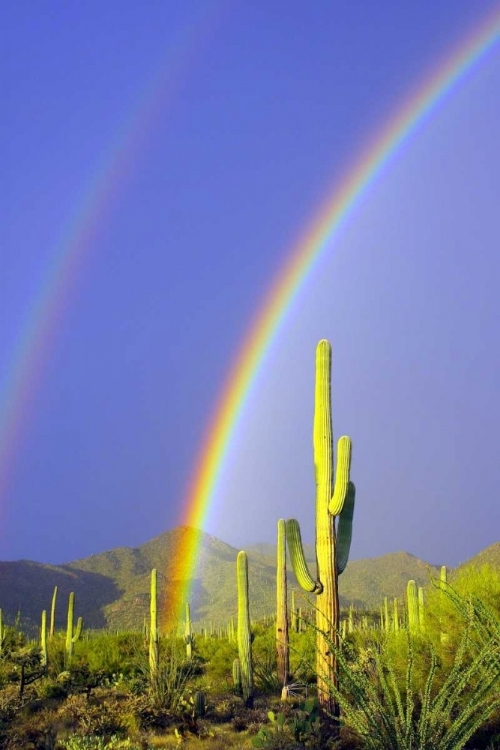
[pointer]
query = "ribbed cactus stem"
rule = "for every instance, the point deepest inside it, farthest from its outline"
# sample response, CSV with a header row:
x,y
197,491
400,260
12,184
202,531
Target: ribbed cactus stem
x,y
412,600
153,628
53,614
43,639
282,639
244,634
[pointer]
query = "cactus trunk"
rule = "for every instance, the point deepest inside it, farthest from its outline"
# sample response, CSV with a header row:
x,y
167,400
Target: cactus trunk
x,y
153,629
244,634
282,640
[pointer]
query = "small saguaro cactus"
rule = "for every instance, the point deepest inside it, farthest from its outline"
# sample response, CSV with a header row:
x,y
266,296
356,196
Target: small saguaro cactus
x,y
43,640
188,633
153,629
412,599
72,636
334,500
396,616
53,614
282,639
199,704
421,609
237,676
244,634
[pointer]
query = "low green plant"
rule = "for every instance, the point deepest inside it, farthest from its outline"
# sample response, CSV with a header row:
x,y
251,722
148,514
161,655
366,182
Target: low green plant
x,y
285,731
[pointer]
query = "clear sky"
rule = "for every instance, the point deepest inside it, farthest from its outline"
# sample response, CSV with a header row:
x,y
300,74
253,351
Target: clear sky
x,y
173,153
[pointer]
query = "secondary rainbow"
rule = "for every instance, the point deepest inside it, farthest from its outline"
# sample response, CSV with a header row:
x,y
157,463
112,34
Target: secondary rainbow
x,y
45,314
317,238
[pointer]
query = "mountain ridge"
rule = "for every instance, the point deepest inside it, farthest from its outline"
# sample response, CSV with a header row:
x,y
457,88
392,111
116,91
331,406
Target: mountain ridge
x,y
112,587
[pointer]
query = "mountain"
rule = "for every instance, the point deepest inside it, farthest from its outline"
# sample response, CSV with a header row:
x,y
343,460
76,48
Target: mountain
x,y
112,588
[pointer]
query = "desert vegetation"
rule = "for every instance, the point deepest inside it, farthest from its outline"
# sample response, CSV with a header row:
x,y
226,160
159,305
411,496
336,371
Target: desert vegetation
x,y
419,672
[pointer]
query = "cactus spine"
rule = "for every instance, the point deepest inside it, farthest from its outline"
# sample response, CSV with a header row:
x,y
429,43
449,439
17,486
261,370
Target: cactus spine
x,y
153,629
282,640
244,634
333,499
72,636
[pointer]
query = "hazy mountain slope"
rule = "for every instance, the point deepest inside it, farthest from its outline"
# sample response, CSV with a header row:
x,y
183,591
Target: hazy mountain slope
x,y
112,588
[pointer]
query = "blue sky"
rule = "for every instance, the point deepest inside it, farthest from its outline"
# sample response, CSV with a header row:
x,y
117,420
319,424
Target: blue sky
x,y
217,129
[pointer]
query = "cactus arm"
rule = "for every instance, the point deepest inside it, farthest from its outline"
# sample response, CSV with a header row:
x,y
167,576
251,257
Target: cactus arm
x,y
298,560
344,451
78,631
344,530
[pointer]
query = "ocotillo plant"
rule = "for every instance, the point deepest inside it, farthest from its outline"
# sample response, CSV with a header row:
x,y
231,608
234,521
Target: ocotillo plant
x,y
244,634
333,499
72,636
153,629
282,640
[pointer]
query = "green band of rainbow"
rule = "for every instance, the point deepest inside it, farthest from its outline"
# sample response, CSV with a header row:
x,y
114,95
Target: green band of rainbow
x,y
308,250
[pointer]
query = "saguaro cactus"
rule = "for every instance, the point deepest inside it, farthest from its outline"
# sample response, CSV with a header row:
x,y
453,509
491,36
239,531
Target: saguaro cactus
x,y
412,599
153,629
53,614
282,640
188,633
244,634
72,636
333,499
43,639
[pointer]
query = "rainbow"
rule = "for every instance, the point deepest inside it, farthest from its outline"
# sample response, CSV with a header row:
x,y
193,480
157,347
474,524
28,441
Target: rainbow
x,y
44,316
307,252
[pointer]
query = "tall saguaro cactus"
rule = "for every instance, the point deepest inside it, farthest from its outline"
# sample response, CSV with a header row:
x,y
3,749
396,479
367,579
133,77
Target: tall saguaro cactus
x,y
282,640
244,634
333,500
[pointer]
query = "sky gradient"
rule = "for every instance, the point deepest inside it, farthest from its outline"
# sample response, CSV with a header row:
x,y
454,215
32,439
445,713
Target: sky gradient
x,y
176,157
